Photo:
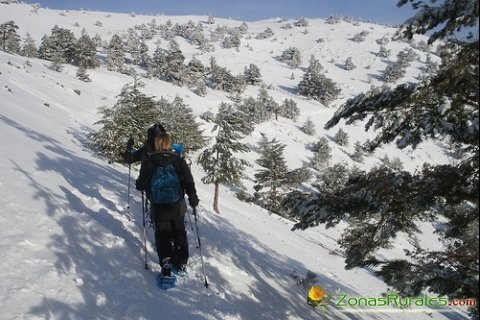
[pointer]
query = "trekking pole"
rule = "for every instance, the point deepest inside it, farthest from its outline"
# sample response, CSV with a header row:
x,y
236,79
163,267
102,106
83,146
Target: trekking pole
x,y
191,226
144,208
128,194
200,247
129,147
130,143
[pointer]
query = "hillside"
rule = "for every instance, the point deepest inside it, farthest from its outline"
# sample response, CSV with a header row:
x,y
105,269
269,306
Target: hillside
x,y
72,250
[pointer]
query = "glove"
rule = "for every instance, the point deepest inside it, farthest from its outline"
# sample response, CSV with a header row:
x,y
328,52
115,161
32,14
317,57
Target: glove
x,y
140,184
130,143
193,202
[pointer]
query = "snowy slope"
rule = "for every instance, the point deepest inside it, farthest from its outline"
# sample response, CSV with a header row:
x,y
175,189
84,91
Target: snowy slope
x,y
71,250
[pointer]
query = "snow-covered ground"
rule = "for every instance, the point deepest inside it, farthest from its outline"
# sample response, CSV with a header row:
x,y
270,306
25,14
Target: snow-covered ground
x,y
69,247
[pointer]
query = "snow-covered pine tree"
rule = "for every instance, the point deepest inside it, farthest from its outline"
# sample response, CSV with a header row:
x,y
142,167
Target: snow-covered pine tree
x,y
406,57
430,68
64,42
179,120
252,75
234,84
309,127
249,106
82,74
29,49
46,48
211,20
233,41
57,59
316,85
349,65
333,178
195,73
341,138
273,174
289,109
158,65
131,116
361,36
9,39
321,154
301,22
116,54
383,52
445,107
358,154
220,162
292,57
219,76
267,33
86,52
394,72
175,69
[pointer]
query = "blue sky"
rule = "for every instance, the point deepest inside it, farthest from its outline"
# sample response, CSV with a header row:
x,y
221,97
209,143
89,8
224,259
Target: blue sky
x,y
380,11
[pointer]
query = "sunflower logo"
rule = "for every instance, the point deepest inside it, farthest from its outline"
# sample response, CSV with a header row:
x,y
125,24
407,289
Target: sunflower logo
x,y
318,297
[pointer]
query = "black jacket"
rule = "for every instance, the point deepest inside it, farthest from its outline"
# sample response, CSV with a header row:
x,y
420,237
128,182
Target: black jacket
x,y
165,212
138,155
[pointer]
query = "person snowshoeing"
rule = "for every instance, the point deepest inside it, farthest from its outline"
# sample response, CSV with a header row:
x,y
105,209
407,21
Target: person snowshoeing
x,y
166,178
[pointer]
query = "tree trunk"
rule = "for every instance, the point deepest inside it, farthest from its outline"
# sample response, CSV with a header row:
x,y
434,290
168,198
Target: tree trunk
x,y
215,199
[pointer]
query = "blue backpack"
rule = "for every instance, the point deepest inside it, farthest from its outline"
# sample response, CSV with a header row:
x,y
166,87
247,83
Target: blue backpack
x,y
165,185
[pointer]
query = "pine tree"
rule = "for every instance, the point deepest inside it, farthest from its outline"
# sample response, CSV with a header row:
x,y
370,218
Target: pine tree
x,y
158,66
195,72
406,57
129,117
201,88
394,72
301,22
46,48
58,59
86,52
83,75
349,64
443,107
233,41
316,85
289,109
333,178
115,54
383,52
9,39
273,175
249,108
179,120
252,75
341,138
29,48
220,161
262,110
321,154
175,70
64,42
292,57
309,127
136,47
359,153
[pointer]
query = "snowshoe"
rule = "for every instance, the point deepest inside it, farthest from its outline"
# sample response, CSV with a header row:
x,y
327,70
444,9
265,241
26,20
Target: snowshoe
x,y
180,270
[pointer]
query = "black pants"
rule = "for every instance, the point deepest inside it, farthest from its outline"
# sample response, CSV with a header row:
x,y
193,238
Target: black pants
x,y
171,241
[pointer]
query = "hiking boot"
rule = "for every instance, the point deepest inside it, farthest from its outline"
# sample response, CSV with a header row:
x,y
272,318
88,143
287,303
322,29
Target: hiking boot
x,y
166,267
166,272
180,269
